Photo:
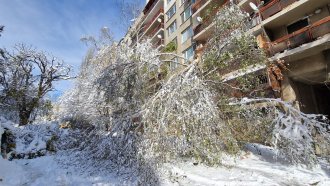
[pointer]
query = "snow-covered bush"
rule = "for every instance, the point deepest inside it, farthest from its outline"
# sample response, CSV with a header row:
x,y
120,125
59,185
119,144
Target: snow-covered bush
x,y
292,133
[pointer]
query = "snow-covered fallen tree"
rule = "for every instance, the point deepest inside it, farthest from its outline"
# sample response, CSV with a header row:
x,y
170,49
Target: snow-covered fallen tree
x,y
135,114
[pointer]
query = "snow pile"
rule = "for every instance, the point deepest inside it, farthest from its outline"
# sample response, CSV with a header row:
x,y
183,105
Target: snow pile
x,y
11,174
251,170
294,134
34,138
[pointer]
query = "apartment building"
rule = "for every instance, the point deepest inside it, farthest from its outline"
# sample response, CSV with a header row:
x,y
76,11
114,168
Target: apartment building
x,y
296,31
184,24
148,25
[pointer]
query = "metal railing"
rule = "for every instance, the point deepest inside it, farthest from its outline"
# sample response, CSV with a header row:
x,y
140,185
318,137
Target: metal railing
x,y
299,37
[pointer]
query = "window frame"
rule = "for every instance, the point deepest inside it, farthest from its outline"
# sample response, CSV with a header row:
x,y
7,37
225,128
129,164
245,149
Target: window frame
x,y
183,13
169,10
185,52
168,28
189,28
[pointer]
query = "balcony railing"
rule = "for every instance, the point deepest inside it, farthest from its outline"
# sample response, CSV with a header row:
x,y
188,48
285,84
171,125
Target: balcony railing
x,y
302,36
199,28
155,30
146,27
274,7
159,43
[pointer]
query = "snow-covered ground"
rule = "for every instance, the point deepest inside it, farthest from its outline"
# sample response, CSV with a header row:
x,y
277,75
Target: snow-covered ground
x,y
249,170
257,166
45,171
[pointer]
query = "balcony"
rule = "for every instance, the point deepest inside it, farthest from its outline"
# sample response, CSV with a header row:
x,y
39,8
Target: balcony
x,y
151,10
156,30
274,7
150,5
201,4
159,44
208,15
153,20
302,36
199,28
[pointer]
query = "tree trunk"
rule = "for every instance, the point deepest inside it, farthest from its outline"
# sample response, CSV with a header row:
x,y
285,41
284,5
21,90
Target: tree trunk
x,y
24,116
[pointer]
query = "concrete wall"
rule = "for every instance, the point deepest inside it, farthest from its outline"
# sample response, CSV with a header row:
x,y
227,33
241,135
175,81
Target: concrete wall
x,y
304,83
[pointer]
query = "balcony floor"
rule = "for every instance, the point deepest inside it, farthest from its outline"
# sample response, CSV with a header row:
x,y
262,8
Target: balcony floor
x,y
304,50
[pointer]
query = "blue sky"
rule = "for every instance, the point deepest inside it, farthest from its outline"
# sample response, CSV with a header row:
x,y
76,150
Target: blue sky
x,y
56,26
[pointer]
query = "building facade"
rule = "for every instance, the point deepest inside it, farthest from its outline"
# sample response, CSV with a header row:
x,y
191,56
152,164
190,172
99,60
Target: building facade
x,y
298,32
295,31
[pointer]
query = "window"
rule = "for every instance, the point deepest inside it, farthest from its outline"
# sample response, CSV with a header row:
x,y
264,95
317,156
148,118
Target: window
x,y
171,28
187,1
189,53
171,12
168,2
174,64
186,34
186,14
297,25
266,2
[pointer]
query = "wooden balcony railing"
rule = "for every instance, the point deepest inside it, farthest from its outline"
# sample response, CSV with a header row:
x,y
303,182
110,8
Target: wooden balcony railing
x,y
155,30
146,26
302,36
274,7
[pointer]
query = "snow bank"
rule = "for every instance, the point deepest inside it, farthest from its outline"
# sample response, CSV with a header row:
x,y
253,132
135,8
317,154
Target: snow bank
x,y
11,174
253,168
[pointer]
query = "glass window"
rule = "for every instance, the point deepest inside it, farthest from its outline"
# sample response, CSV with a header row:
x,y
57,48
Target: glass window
x,y
186,14
188,1
186,34
171,12
189,53
297,25
168,2
174,64
171,28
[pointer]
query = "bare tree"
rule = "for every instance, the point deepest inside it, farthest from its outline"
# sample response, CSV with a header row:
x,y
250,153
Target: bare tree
x,y
26,76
